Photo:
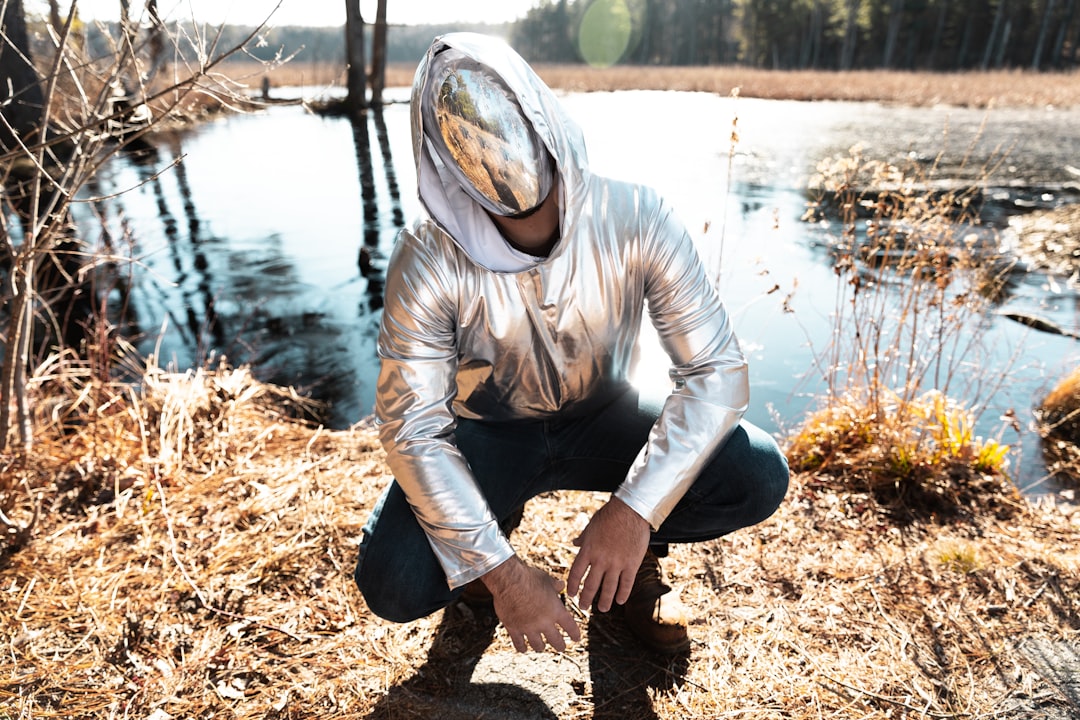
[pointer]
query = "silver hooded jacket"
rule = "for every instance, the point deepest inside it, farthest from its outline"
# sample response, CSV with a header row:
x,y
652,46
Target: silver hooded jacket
x,y
471,330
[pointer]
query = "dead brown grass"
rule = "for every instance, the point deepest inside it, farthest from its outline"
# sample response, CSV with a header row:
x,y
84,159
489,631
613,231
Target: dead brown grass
x,y
1000,88
193,557
1058,423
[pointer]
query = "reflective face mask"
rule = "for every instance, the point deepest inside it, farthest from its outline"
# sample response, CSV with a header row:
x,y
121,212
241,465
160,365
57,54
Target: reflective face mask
x,y
476,127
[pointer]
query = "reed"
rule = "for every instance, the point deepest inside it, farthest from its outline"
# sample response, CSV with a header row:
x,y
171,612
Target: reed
x,y
999,88
914,281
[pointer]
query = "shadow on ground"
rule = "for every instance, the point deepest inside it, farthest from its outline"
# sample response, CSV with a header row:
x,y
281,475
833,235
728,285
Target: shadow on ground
x,y
609,675
1058,663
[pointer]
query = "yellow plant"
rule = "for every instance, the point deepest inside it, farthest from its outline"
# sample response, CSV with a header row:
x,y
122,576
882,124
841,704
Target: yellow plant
x,y
991,456
902,461
960,557
920,453
950,426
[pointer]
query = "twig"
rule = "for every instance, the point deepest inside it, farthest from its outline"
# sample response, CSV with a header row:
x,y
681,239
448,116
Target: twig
x,y
26,596
922,712
1035,596
198,591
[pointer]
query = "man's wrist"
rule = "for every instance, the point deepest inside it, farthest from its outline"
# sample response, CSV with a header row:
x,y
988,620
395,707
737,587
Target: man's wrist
x,y
502,575
631,515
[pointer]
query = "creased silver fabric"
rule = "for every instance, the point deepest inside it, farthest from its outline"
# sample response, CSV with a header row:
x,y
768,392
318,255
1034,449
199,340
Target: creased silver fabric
x,y
461,340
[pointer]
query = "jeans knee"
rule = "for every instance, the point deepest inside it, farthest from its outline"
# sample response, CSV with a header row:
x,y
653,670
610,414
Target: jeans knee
x,y
382,600
774,479
395,594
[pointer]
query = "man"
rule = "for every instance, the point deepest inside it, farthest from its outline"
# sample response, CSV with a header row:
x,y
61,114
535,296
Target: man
x,y
512,309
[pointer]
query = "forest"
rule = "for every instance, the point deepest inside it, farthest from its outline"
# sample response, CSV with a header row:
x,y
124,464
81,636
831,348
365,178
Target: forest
x,y
939,35
935,35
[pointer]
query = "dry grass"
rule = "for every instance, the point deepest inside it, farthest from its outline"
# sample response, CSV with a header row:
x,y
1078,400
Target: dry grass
x,y
193,552
1049,240
1002,88
1058,417
915,458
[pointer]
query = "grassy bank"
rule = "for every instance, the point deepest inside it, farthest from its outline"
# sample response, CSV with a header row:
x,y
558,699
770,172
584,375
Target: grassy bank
x,y
192,558
1004,88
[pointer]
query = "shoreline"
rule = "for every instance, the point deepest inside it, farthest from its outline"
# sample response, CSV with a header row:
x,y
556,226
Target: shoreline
x,y
976,89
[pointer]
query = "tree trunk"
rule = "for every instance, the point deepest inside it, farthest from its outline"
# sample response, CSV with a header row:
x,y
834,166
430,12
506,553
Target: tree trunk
x,y
988,54
1004,46
1063,31
750,35
965,43
1044,27
645,43
55,22
356,79
690,35
896,13
817,29
21,116
378,55
847,52
21,124
157,38
939,33
129,29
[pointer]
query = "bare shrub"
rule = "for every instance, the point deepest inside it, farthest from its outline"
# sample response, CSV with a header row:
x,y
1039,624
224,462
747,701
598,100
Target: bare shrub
x,y
915,281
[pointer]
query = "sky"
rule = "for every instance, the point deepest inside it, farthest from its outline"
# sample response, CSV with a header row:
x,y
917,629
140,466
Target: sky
x,y
319,12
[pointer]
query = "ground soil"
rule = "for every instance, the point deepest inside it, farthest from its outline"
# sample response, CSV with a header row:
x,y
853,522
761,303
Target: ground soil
x,y
220,587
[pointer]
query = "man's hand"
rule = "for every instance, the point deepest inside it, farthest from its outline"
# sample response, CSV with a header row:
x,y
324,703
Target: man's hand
x,y
612,546
528,605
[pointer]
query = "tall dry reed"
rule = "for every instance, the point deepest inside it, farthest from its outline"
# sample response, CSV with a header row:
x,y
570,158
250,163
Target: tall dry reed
x,y
905,370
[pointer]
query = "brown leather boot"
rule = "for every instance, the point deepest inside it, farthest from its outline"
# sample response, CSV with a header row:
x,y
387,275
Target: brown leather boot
x,y
654,612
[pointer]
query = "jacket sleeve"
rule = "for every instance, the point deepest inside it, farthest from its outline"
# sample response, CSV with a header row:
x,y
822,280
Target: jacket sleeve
x,y
417,381
711,389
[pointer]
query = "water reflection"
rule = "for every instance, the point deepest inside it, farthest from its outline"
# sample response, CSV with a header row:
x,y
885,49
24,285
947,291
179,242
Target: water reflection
x,y
371,257
243,247
193,273
268,243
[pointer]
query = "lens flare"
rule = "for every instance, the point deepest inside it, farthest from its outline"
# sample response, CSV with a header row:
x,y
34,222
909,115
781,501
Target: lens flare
x,y
605,32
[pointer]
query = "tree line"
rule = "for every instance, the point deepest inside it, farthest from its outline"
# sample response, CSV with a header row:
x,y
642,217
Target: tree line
x,y
938,35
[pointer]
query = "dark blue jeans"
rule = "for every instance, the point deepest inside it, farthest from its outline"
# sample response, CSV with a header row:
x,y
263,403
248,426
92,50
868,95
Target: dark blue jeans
x,y
742,485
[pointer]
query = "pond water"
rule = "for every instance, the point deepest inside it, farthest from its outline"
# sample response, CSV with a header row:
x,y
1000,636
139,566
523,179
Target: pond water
x,y
251,246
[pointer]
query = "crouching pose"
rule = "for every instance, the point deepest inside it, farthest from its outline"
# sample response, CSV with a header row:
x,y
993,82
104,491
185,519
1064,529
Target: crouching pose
x,y
512,308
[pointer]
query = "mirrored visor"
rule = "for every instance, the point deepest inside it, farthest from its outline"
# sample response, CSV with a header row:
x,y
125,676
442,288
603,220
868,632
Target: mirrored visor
x,y
477,128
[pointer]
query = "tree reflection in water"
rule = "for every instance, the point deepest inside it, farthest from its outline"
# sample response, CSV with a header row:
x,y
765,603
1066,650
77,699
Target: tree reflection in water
x,y
201,294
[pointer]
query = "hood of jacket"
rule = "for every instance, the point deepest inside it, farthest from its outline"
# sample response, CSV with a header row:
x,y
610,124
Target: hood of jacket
x,y
443,198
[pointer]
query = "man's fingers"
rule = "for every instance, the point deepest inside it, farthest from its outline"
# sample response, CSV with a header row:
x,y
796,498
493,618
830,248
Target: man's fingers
x,y
626,584
536,640
589,588
608,589
555,640
570,626
577,571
